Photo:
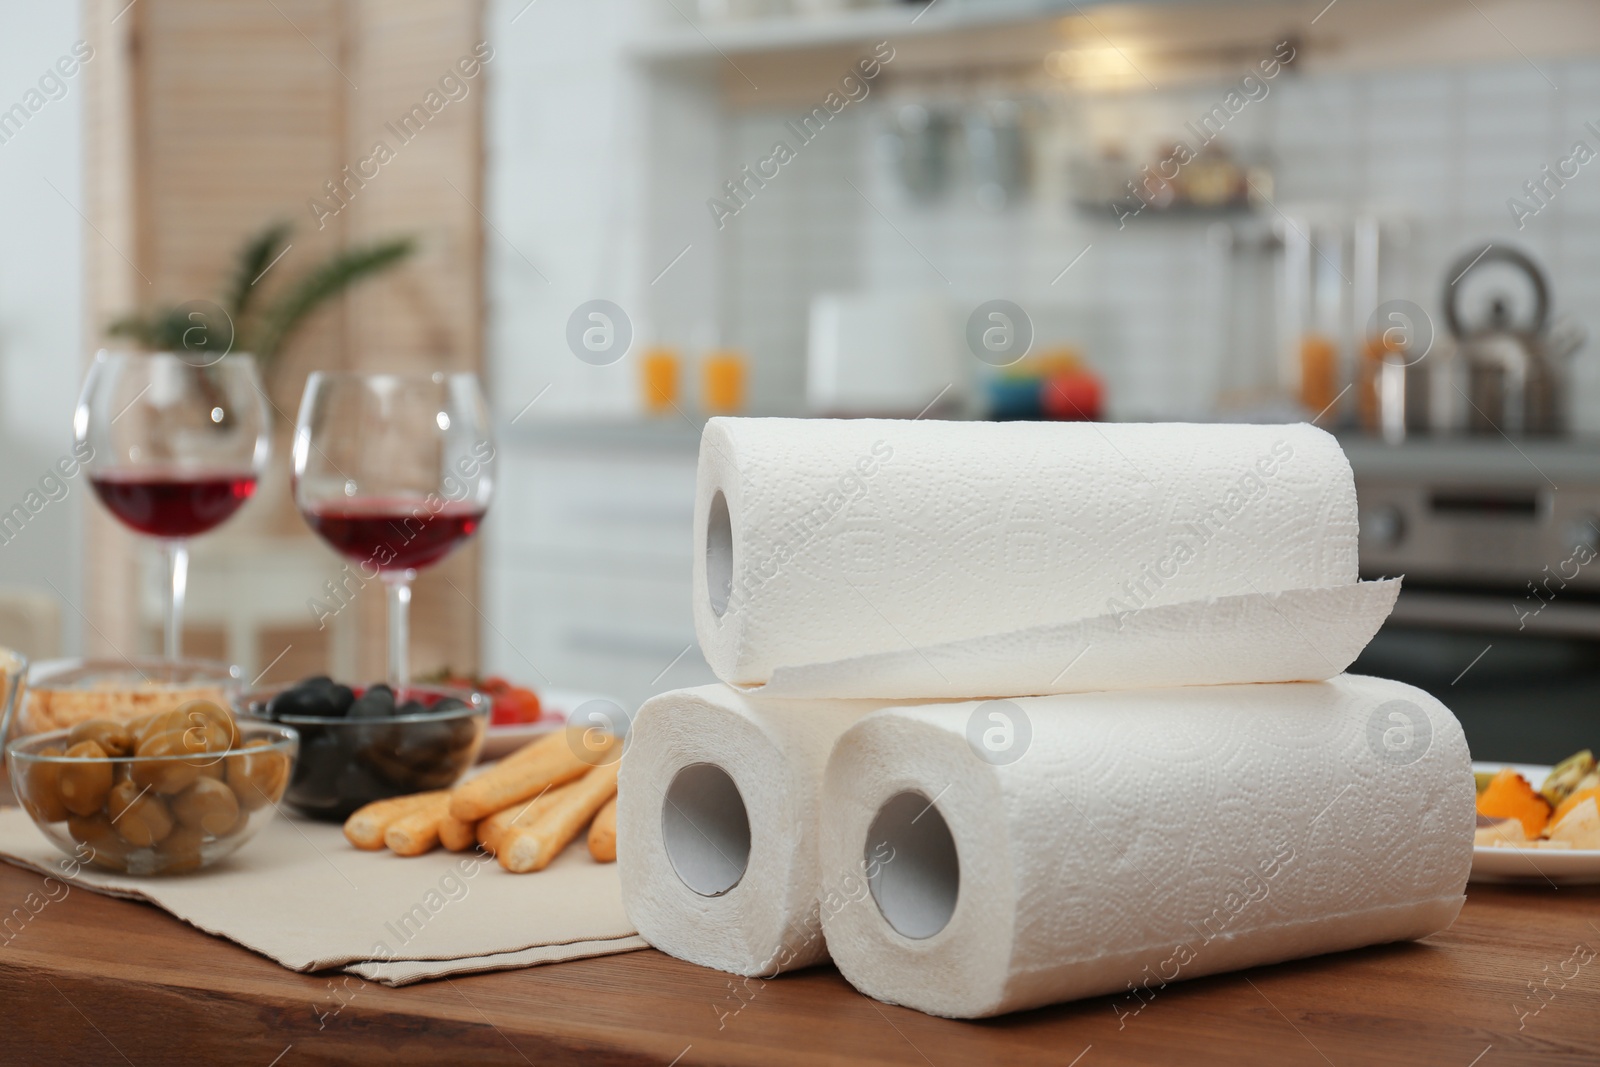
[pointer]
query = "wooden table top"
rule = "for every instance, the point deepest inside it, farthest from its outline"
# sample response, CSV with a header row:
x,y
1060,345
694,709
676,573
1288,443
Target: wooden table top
x,y
91,979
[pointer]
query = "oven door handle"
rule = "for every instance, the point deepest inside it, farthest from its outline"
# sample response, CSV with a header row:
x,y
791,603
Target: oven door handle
x,y
1515,615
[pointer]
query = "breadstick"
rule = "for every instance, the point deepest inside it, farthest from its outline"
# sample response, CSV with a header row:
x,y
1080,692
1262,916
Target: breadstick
x,y
417,831
491,828
603,834
366,827
531,848
455,835
553,759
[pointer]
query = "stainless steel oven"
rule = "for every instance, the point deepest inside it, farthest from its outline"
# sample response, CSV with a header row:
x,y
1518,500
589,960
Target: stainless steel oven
x,y
1499,615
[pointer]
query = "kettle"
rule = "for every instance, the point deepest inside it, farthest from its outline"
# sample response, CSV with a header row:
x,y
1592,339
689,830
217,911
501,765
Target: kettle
x,y
1515,372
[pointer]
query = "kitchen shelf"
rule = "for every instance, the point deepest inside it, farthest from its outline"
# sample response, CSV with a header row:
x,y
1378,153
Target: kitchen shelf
x,y
796,33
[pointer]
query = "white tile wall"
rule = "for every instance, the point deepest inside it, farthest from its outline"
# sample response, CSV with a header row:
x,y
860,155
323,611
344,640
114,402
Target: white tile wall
x,y
1443,148
41,304
588,585
562,136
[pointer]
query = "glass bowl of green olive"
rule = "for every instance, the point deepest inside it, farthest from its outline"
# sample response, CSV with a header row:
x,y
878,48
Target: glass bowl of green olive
x,y
168,793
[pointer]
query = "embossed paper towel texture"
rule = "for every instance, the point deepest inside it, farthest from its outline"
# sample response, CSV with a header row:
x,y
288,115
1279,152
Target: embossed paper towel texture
x,y
1147,837
851,539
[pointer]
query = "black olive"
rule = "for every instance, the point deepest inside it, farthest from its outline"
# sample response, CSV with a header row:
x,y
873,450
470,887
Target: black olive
x,y
295,701
330,699
341,767
358,785
464,731
376,703
421,741
339,698
316,772
381,760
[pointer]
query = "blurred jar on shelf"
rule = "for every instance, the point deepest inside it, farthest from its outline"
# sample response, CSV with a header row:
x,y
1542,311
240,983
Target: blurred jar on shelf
x,y
997,142
916,144
1173,179
659,369
723,381
1314,311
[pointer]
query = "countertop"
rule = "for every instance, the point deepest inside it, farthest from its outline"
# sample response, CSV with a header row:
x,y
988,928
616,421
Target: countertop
x,y
1439,460
94,980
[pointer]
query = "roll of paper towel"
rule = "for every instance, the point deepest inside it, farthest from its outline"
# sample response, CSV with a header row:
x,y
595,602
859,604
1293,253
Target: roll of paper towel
x,y
717,826
912,559
1019,853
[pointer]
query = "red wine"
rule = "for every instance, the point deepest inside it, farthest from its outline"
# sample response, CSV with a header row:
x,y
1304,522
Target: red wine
x,y
173,503
394,535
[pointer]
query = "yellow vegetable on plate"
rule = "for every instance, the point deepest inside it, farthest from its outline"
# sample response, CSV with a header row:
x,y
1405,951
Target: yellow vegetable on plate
x,y
1573,801
1580,827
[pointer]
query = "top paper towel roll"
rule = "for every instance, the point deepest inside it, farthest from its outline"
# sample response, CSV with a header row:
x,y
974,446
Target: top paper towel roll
x,y
902,559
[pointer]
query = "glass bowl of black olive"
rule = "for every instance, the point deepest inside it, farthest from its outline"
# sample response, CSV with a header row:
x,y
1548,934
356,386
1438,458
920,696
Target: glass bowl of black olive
x,y
360,744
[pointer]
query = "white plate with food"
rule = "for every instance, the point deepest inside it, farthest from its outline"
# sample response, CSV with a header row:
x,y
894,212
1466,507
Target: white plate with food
x,y
556,707
1538,825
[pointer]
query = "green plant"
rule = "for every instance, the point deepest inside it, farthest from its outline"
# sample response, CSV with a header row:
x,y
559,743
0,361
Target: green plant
x,y
242,326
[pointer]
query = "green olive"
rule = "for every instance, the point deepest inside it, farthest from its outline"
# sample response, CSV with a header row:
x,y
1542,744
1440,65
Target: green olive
x,y
169,773
83,786
41,790
113,737
158,723
258,778
209,805
180,851
214,721
140,817
105,847
178,741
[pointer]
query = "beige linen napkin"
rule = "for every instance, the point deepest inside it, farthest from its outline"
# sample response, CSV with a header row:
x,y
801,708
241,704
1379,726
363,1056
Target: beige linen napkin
x,y
404,972
301,895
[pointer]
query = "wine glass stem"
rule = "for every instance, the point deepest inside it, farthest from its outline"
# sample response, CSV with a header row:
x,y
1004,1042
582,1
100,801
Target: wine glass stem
x,y
399,631
178,584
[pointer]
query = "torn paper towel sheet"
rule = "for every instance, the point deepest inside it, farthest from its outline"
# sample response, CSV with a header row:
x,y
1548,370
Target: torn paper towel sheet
x,y
1293,636
717,826
825,541
1118,842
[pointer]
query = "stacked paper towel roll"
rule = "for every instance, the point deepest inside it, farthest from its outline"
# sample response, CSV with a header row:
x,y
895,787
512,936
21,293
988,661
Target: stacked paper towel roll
x,y
908,559
854,580
1142,838
717,826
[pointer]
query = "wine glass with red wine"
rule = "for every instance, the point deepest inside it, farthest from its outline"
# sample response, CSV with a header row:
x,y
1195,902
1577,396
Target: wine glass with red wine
x,y
394,471
175,447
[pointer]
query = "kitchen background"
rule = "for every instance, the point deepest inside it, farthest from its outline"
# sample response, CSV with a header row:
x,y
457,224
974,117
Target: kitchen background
x,y
1368,152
